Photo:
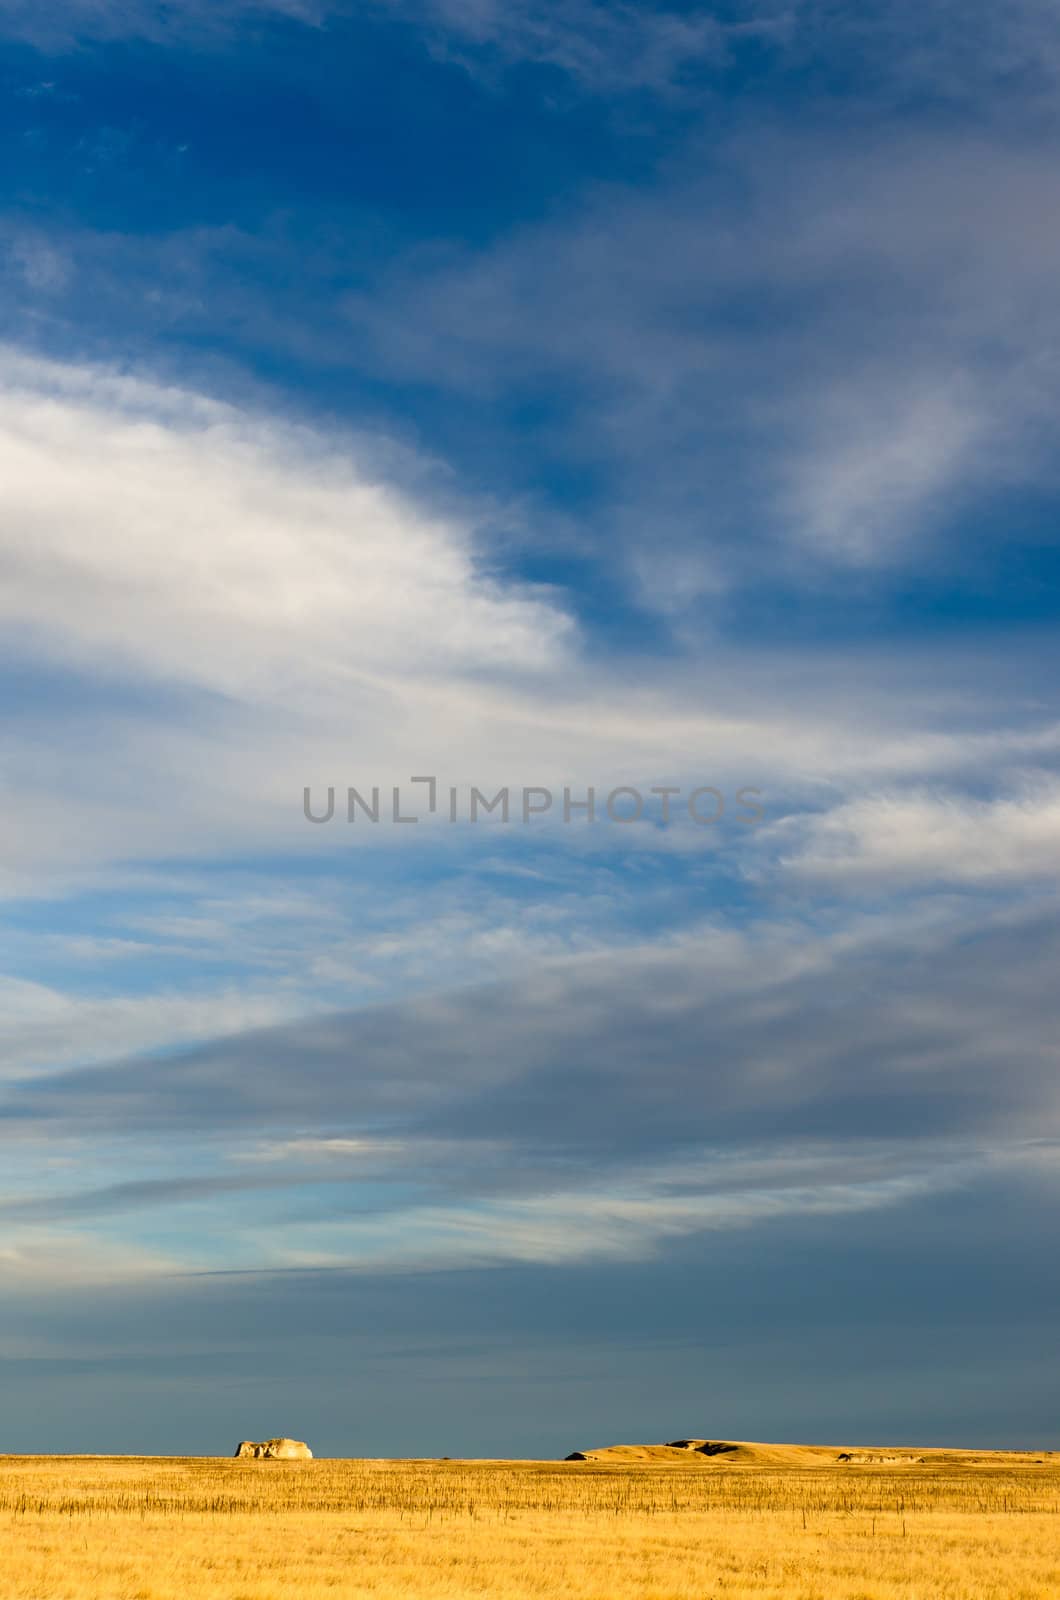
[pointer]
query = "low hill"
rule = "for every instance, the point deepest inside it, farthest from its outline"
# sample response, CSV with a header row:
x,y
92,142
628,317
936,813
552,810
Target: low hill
x,y
743,1453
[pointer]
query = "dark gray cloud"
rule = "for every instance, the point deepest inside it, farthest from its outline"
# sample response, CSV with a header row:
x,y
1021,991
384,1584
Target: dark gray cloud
x,y
911,1029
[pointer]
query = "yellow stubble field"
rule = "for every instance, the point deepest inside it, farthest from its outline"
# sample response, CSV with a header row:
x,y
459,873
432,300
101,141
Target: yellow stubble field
x,y
125,1528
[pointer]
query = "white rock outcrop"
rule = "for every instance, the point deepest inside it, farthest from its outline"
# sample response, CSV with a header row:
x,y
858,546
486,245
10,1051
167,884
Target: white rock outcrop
x,y
275,1450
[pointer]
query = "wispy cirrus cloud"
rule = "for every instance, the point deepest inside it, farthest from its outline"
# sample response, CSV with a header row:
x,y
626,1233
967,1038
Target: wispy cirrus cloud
x,y
72,22
606,49
895,379
603,48
239,602
901,375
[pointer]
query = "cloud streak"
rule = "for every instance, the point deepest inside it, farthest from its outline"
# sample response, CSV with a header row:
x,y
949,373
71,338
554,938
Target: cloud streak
x,y
591,1109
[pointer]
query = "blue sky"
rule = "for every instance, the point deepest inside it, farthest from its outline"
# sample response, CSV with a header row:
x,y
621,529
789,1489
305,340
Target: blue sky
x,y
532,397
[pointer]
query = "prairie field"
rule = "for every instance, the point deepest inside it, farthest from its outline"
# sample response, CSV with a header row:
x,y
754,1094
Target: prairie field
x,y
645,1525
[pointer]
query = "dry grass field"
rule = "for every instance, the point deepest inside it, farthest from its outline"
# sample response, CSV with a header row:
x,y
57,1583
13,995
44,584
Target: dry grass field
x,y
753,1523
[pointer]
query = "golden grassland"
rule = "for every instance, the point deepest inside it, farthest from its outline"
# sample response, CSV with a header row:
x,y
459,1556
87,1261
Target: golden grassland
x,y
654,1527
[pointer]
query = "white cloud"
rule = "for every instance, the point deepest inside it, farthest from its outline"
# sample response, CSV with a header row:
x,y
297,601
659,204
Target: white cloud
x,y
182,538
222,609
46,1027
924,838
154,541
